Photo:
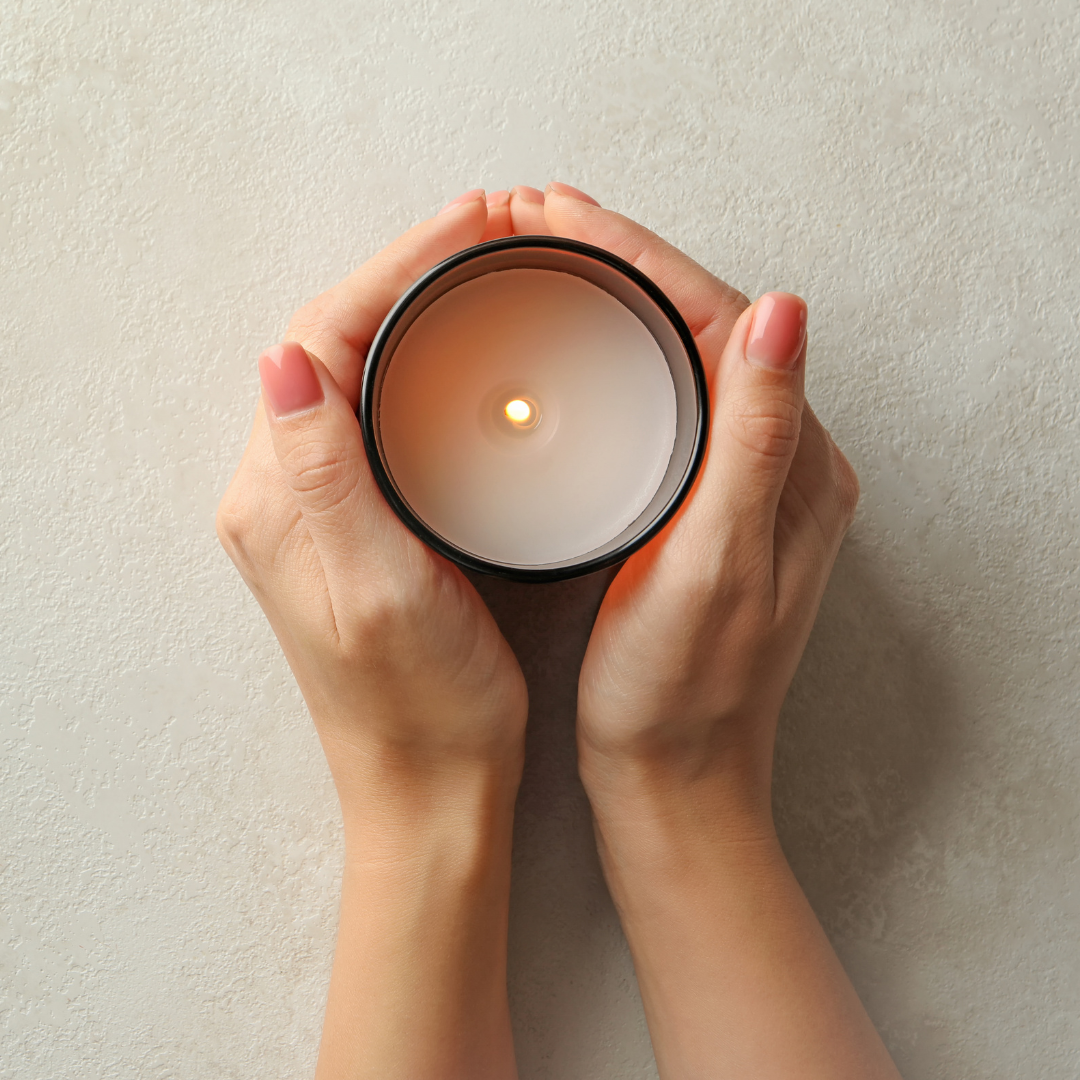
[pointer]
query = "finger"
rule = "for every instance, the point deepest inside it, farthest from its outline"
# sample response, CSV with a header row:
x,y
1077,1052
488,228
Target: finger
x,y
342,322
709,306
815,510
339,325
320,451
757,394
527,211
498,216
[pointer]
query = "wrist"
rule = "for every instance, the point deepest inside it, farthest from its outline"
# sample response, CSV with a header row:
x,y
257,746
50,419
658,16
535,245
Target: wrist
x,y
645,806
669,837
405,809
665,844
371,737
419,983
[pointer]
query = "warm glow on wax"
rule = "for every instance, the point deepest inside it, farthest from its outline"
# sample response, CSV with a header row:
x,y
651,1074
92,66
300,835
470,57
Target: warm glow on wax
x,y
527,416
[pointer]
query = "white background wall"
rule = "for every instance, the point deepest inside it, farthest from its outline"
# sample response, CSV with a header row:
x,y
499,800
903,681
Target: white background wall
x,y
176,178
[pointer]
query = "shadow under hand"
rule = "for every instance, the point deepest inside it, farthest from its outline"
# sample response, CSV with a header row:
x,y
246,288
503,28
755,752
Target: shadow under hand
x,y
571,979
867,739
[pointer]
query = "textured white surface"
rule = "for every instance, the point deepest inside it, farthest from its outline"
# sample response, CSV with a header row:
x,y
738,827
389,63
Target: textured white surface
x,y
175,179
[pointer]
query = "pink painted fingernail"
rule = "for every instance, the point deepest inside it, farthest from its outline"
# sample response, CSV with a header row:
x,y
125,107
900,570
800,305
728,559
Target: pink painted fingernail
x,y
777,332
288,379
497,198
529,194
571,192
461,200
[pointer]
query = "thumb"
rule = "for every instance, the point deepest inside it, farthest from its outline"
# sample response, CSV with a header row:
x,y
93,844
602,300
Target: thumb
x,y
757,416
318,445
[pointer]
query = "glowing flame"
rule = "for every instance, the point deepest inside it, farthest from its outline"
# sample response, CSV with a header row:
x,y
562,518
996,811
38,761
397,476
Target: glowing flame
x,y
518,411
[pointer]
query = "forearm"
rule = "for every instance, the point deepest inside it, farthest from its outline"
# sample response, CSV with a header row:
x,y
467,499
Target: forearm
x,y
736,974
418,990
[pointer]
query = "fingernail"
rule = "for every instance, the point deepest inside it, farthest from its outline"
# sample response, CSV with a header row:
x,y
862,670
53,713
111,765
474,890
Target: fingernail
x,y
461,200
571,192
777,332
529,194
498,198
288,379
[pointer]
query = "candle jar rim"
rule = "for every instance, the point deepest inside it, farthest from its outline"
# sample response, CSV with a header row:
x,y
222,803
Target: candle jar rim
x,y
377,361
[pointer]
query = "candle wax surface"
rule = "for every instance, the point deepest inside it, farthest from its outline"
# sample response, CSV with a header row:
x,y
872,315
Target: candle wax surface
x,y
586,460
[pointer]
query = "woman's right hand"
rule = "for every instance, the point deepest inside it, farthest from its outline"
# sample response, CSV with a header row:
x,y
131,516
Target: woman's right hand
x,y
690,658
700,633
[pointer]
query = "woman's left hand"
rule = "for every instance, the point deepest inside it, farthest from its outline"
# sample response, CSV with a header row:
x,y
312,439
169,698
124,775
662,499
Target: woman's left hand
x,y
394,651
417,698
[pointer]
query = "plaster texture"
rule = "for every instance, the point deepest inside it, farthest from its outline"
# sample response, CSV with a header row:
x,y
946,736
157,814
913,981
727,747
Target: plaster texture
x,y
176,179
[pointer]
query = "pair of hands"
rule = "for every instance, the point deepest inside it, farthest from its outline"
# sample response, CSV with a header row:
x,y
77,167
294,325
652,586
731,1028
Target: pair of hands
x,y
700,633
421,705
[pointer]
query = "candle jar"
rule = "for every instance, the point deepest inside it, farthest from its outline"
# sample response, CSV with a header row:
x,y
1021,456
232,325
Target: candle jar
x,y
535,408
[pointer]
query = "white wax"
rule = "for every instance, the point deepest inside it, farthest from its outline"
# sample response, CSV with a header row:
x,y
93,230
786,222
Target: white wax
x,y
591,464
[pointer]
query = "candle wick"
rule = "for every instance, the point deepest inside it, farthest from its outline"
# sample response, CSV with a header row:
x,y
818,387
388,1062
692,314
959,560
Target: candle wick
x,y
518,411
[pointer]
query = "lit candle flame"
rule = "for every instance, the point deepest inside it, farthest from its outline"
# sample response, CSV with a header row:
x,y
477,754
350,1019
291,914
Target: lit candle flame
x,y
518,411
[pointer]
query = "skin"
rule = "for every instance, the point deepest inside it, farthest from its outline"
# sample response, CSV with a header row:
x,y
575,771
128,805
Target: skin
x,y
421,706
418,701
689,661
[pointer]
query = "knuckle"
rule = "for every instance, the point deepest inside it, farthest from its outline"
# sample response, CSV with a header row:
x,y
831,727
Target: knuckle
x,y
768,428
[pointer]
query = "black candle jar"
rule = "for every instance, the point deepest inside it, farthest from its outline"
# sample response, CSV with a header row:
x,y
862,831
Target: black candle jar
x,y
517,419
